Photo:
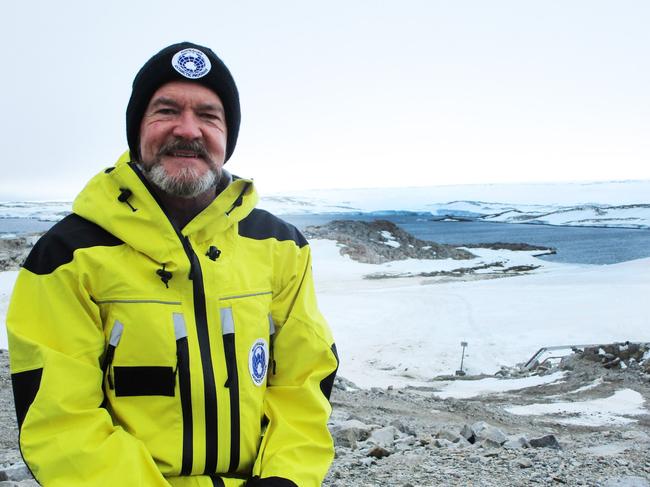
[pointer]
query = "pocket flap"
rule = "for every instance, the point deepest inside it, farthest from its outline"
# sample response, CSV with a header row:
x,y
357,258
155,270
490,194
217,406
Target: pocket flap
x,y
144,381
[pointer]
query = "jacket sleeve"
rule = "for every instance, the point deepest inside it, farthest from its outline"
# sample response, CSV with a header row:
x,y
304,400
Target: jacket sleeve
x,y
297,448
55,344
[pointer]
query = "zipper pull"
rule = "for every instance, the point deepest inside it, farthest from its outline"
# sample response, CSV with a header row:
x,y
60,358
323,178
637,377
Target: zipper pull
x,y
180,333
113,341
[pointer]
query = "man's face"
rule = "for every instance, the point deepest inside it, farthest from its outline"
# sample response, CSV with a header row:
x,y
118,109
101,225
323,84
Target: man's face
x,y
183,139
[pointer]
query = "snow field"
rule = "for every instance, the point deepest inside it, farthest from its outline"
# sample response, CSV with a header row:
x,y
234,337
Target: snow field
x,y
406,331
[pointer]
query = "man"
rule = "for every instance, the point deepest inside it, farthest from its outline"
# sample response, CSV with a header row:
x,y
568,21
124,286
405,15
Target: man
x,y
166,332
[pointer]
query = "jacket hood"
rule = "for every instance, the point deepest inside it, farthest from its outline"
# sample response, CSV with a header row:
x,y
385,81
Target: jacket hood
x,y
119,201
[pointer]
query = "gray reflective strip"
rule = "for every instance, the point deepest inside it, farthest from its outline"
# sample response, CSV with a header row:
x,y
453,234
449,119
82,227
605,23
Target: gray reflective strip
x,y
271,325
116,334
227,322
180,331
245,296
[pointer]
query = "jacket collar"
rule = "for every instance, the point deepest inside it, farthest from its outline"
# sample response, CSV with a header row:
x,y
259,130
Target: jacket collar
x,y
119,201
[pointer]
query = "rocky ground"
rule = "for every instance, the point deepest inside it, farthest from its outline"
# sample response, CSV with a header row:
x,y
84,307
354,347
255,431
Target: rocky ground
x,y
411,438
382,241
14,250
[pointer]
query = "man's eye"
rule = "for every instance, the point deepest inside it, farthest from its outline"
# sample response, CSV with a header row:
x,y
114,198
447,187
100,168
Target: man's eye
x,y
210,116
165,111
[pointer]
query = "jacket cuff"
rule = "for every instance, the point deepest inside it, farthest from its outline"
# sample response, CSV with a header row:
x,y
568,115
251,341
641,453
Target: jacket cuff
x,y
270,482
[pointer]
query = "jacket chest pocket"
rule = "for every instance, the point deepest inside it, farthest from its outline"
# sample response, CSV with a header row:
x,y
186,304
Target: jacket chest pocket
x,y
247,330
144,350
247,338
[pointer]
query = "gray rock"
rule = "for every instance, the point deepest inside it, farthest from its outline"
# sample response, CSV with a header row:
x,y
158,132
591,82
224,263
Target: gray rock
x,y
16,472
366,462
484,431
627,481
546,441
524,462
405,444
467,433
514,443
445,434
404,428
383,436
462,443
443,443
489,444
344,384
348,433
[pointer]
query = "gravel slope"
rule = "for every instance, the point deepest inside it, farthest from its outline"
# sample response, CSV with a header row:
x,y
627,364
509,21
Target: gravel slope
x,y
411,455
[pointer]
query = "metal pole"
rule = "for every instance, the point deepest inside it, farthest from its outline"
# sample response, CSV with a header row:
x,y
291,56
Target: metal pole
x,y
462,359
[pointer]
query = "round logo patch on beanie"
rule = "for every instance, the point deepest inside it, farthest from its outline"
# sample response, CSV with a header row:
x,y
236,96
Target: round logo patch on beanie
x,y
258,361
191,63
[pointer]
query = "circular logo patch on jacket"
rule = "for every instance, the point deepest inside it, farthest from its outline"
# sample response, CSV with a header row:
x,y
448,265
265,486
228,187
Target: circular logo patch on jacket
x,y
258,361
191,63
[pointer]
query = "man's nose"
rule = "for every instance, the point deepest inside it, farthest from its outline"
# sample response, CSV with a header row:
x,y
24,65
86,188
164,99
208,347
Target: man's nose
x,y
187,127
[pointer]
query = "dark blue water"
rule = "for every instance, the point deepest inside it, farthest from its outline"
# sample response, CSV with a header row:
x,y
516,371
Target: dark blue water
x,y
23,225
583,245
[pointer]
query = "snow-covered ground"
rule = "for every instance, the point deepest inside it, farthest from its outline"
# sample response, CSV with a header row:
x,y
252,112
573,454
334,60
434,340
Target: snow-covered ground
x,y
613,203
405,331
611,410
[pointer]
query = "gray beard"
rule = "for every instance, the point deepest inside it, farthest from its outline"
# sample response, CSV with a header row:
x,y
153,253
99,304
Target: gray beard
x,y
188,184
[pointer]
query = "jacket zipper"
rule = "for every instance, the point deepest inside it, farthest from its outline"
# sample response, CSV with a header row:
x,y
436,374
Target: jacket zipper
x,y
202,330
201,321
113,342
232,383
183,370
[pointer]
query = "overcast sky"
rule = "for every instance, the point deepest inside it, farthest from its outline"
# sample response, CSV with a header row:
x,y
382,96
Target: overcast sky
x,y
343,93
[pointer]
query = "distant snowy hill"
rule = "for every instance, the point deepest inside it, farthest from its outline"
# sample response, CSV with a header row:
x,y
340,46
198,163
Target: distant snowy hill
x,y
612,204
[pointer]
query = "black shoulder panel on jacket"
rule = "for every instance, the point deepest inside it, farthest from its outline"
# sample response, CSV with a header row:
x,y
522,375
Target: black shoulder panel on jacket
x,y
25,385
260,225
57,246
327,383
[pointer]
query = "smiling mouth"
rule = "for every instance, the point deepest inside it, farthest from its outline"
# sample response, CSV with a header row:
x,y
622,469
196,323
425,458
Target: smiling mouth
x,y
185,149
188,154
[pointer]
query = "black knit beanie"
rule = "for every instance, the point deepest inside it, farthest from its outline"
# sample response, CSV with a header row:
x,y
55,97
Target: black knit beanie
x,y
183,62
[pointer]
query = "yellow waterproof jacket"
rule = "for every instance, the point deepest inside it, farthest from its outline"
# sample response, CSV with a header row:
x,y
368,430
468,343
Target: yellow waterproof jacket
x,y
145,355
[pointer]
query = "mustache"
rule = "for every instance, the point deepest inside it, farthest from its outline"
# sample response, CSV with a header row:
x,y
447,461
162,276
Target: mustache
x,y
175,145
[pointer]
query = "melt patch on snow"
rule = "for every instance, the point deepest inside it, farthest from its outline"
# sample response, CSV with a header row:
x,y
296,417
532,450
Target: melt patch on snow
x,y
610,410
463,389
593,385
